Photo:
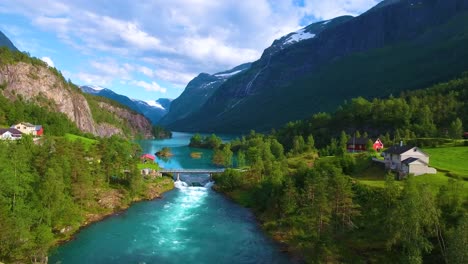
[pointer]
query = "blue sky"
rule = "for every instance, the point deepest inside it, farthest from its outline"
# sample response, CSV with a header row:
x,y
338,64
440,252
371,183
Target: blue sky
x,y
151,49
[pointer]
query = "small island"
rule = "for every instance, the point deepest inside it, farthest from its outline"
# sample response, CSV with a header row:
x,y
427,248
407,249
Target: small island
x,y
164,153
196,155
160,132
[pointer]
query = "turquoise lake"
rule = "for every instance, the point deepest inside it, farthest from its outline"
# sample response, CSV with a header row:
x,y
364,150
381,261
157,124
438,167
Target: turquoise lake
x,y
189,225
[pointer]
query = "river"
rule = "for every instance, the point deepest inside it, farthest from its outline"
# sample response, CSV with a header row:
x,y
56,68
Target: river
x,y
189,225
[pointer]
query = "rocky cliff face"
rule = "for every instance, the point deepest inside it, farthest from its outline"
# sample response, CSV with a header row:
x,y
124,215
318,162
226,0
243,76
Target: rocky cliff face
x,y
137,123
33,82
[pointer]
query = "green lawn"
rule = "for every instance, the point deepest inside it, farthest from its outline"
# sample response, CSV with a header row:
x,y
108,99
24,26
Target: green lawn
x,y
452,159
148,165
86,141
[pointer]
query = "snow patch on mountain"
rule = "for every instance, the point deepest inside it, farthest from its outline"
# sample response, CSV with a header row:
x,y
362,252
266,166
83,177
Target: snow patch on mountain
x,y
298,36
227,75
153,103
97,88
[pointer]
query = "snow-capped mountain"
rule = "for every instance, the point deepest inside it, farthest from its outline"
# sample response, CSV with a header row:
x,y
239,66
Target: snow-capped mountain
x,y
151,109
198,91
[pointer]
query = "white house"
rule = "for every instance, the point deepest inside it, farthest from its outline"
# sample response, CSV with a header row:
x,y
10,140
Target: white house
x,y
10,134
25,128
407,160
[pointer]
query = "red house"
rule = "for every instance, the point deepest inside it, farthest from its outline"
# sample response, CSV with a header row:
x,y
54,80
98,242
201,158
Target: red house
x,y
39,130
146,157
378,145
357,144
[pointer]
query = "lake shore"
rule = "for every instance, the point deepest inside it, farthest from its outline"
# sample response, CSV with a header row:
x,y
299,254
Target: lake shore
x,y
283,246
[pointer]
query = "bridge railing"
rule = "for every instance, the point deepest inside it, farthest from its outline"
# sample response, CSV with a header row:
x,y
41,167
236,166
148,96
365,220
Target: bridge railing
x,y
192,171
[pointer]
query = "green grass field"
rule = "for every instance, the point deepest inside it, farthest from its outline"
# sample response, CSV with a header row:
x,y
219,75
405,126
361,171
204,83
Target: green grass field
x,y
148,165
86,141
451,159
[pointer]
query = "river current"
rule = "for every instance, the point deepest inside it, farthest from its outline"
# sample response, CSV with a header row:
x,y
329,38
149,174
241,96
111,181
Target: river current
x,y
189,225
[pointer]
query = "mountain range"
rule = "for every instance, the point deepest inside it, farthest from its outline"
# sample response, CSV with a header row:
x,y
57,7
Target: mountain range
x,y
197,92
153,110
396,46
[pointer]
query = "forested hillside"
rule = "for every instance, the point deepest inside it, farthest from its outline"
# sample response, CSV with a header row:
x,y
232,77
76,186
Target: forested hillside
x,y
404,45
439,111
49,190
312,195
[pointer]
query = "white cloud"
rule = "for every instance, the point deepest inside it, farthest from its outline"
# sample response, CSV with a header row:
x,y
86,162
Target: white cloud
x,y
330,9
150,87
171,41
48,61
146,71
92,79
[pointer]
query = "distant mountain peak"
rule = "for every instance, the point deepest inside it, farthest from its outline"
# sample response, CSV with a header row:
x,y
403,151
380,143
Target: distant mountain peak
x,y
6,42
154,103
154,110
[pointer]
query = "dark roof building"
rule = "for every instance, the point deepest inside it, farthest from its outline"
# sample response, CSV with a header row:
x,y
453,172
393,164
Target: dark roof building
x,y
15,133
357,144
397,149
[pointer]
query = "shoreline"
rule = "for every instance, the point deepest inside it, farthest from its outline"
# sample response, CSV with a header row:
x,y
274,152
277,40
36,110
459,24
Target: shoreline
x,y
283,246
91,219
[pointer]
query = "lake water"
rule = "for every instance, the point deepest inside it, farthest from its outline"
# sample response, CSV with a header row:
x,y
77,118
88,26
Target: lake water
x,y
189,225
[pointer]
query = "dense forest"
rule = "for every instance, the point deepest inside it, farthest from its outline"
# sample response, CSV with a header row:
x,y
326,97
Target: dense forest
x,y
437,112
47,190
312,202
322,214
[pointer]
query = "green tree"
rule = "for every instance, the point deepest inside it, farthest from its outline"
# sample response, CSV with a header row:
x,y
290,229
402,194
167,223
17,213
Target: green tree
x,y
456,129
240,159
414,221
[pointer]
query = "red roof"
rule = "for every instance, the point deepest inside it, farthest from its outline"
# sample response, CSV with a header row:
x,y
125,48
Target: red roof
x,y
148,156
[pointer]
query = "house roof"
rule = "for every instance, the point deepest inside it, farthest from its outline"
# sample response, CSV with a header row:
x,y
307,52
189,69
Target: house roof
x,y
148,156
411,160
358,141
398,149
13,131
38,127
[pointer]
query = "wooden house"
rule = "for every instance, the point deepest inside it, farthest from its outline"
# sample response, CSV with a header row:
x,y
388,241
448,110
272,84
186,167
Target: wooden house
x,y
29,129
10,134
407,160
357,144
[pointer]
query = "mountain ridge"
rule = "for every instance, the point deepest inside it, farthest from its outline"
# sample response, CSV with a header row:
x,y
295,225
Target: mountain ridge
x,y
153,112
6,42
198,91
319,73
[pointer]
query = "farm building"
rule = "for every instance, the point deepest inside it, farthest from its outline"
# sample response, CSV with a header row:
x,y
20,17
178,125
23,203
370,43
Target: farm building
x,y
10,134
29,129
407,160
357,144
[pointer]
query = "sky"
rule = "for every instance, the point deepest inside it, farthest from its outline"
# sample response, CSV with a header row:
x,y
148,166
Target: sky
x,y
150,49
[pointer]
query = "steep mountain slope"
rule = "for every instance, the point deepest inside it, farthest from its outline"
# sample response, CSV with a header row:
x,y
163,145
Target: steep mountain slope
x,y
395,46
6,42
30,79
153,110
197,92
